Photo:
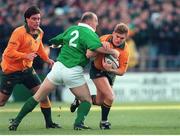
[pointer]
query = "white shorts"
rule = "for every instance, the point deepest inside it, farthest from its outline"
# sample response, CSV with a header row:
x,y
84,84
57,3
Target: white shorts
x,y
71,77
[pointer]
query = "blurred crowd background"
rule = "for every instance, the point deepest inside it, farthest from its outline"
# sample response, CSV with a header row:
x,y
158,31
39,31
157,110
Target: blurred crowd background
x,y
154,25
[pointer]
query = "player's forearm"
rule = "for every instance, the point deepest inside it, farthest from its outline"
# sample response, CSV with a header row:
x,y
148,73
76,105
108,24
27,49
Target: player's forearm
x,y
57,40
117,72
107,51
43,53
90,54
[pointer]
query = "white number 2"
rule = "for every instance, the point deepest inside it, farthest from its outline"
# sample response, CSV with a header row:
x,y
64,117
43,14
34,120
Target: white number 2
x,y
75,35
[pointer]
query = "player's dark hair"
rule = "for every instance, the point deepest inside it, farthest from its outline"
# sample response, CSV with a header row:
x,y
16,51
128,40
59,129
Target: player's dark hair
x,y
31,11
121,28
87,16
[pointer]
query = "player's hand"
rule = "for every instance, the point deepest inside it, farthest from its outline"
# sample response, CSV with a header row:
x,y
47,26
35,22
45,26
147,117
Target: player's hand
x,y
106,45
90,54
30,56
107,66
116,53
50,62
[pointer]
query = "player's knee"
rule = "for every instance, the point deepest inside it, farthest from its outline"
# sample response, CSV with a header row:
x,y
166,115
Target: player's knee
x,y
3,99
110,101
99,102
110,98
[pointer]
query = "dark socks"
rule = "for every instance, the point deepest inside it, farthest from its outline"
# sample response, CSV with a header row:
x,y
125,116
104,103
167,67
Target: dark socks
x,y
47,115
105,111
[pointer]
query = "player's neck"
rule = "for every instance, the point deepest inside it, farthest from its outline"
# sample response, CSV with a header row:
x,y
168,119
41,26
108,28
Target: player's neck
x,y
33,31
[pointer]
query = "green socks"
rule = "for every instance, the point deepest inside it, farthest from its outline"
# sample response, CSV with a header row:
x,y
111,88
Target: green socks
x,y
82,112
27,107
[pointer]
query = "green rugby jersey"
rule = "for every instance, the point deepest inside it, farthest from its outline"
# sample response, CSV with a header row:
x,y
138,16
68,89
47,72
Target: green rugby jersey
x,y
76,40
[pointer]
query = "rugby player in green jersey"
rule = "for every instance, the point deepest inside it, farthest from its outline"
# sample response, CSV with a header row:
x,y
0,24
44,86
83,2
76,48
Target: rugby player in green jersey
x,y
68,69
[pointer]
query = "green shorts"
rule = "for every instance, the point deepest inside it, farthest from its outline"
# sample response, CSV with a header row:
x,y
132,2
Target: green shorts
x,y
95,73
28,78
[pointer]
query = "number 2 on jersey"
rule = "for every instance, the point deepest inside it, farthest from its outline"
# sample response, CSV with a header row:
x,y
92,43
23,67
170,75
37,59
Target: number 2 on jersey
x,y
75,35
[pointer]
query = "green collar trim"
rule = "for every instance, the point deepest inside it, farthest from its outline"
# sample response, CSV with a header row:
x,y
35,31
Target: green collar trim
x,y
35,36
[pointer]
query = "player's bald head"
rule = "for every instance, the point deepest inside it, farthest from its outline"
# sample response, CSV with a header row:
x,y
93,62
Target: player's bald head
x,y
88,16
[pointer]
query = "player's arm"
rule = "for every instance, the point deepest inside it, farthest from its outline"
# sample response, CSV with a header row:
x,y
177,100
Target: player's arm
x,y
105,48
90,53
12,48
94,44
113,52
108,67
57,40
42,53
123,62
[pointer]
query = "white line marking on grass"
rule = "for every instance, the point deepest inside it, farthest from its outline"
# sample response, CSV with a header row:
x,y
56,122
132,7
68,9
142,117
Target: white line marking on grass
x,y
114,108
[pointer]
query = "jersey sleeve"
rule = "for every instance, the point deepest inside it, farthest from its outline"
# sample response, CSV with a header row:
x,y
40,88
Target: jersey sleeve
x,y
123,60
41,52
57,40
92,41
13,45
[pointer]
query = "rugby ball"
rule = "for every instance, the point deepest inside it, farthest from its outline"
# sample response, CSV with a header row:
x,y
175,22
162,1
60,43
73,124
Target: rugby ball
x,y
111,60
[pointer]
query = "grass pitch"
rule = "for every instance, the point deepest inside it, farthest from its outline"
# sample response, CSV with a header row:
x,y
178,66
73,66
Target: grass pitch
x,y
145,119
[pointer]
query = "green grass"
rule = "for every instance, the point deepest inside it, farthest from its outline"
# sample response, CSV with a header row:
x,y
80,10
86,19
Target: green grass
x,y
149,118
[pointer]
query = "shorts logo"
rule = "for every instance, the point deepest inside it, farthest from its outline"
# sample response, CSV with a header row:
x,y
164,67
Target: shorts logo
x,y
33,72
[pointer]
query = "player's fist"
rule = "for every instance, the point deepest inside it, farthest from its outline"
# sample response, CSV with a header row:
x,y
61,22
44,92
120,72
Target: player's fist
x,y
106,45
90,54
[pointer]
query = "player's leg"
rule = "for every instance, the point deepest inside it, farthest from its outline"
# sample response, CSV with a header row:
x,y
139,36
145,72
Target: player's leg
x,y
83,94
4,96
94,73
98,99
103,86
7,84
76,82
34,85
45,88
49,84
46,110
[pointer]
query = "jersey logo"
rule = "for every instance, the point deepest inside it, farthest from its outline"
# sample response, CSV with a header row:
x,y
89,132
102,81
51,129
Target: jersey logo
x,y
29,43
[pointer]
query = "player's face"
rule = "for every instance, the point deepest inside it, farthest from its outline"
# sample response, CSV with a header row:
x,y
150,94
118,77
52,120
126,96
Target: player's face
x,y
34,21
118,38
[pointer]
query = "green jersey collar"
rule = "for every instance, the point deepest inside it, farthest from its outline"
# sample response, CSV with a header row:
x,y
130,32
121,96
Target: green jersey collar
x,y
33,35
86,25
